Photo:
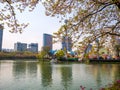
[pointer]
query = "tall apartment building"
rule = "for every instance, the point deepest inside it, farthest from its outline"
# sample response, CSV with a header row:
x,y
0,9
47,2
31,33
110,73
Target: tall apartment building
x,y
1,36
20,46
47,41
33,47
67,43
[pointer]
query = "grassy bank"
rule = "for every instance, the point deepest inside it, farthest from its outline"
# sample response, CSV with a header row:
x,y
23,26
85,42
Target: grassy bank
x,y
17,55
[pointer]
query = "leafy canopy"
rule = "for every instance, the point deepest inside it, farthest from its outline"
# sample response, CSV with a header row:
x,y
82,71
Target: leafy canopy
x,y
87,20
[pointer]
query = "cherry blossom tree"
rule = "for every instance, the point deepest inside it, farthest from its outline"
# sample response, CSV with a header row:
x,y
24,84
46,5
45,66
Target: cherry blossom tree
x,y
88,20
8,10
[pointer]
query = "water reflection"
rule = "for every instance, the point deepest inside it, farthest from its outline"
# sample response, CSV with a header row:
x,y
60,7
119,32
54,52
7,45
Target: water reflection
x,y
31,75
24,69
19,69
66,73
105,74
46,74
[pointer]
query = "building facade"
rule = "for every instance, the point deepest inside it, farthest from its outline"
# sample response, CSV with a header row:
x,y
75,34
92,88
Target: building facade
x,y
33,47
47,41
20,46
66,43
1,36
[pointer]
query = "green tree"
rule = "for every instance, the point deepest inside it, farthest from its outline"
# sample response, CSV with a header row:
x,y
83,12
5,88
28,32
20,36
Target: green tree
x,y
41,55
44,53
60,53
46,49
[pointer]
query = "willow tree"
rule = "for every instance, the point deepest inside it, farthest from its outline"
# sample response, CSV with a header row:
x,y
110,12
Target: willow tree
x,y
8,9
87,19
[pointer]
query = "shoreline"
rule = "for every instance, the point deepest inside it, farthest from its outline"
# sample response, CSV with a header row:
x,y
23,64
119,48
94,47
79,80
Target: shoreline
x,y
15,58
34,58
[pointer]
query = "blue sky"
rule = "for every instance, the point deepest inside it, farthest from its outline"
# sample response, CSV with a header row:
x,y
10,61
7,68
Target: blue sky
x,y
39,24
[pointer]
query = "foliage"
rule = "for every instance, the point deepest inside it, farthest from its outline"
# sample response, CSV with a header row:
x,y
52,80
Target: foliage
x,y
93,51
44,53
59,54
15,55
41,55
87,20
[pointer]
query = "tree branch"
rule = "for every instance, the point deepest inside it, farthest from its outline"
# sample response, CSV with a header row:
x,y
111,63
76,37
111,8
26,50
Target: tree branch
x,y
114,34
94,13
98,2
103,34
115,25
117,3
13,13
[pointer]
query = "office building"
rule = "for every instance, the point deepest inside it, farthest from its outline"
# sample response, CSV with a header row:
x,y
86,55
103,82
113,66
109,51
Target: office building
x,y
33,47
47,41
20,46
1,36
66,43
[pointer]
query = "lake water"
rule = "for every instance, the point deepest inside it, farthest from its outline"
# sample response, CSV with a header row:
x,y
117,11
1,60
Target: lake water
x,y
33,75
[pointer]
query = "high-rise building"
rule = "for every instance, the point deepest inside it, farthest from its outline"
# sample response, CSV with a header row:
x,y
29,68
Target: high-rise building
x,y
20,46
47,40
67,43
1,36
33,47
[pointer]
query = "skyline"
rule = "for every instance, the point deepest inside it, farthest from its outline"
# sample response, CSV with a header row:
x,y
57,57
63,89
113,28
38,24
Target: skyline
x,y
39,24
